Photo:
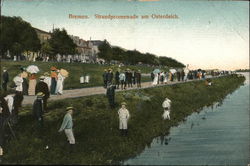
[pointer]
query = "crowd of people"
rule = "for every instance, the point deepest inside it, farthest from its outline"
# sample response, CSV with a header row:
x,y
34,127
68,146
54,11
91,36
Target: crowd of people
x,y
162,77
52,83
122,79
26,84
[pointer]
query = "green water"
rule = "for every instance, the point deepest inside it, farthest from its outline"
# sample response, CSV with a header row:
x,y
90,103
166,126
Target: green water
x,y
218,135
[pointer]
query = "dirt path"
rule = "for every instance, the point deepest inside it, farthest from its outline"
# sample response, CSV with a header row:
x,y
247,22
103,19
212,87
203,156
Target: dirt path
x,y
90,91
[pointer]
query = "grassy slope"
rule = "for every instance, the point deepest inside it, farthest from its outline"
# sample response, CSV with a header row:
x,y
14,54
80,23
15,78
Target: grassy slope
x,y
75,69
96,126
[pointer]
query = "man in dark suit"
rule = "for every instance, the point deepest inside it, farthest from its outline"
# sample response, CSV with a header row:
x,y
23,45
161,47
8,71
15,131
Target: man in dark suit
x,y
41,86
111,95
5,78
38,108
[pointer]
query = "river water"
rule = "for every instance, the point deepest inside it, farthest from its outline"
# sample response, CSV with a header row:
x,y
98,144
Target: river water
x,y
218,135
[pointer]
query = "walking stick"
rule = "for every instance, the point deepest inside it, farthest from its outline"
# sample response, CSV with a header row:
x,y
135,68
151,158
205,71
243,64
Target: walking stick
x,y
11,130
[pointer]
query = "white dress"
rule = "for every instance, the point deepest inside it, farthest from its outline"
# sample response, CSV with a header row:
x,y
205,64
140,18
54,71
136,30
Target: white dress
x,y
59,85
47,80
155,81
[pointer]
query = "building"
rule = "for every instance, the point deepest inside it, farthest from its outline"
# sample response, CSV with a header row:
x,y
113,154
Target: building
x,y
43,35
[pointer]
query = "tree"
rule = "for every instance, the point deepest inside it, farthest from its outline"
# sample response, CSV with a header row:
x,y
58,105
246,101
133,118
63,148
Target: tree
x,y
17,36
61,43
105,51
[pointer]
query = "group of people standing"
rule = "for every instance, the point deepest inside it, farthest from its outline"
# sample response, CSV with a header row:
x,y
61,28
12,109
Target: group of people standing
x,y
26,84
123,79
162,77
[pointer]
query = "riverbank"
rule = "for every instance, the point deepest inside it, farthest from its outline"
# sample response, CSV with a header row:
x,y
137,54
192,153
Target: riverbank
x,y
96,126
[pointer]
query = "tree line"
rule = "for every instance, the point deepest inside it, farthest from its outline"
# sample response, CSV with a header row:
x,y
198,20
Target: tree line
x,y
108,53
18,36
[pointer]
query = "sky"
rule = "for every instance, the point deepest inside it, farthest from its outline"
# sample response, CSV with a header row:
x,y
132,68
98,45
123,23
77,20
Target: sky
x,y
206,34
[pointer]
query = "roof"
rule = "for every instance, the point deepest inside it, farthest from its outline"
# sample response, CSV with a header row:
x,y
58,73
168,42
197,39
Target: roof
x,y
41,31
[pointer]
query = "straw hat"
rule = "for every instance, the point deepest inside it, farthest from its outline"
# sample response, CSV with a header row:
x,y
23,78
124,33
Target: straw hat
x,y
69,108
46,74
123,103
40,94
42,77
64,73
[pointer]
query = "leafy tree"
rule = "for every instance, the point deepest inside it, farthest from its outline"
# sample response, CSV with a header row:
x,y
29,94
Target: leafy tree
x,y
105,51
17,36
61,43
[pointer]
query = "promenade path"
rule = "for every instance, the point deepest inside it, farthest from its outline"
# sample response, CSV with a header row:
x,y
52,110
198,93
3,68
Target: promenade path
x,y
74,93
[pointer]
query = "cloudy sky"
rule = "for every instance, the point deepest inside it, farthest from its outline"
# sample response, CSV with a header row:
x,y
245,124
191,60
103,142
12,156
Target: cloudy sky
x,y
207,34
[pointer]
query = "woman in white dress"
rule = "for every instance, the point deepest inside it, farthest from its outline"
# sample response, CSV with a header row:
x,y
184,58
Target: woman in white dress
x,y
155,81
59,85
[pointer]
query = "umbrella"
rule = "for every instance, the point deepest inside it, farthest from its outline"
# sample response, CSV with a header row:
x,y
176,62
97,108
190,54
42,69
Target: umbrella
x,y
156,71
64,72
32,69
172,71
186,70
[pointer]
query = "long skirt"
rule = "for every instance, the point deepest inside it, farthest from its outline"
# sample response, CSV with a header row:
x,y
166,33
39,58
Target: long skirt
x,y
53,86
59,87
155,81
32,87
25,86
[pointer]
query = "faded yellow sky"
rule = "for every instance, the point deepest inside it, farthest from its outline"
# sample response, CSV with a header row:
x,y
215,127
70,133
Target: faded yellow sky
x,y
208,34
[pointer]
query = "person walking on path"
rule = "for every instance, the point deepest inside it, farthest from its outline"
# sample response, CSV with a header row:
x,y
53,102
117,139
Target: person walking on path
x,y
54,77
165,77
166,106
67,126
134,76
138,79
18,98
5,79
59,84
122,79
109,76
32,84
47,79
25,84
38,109
117,80
111,95
41,86
123,119
105,79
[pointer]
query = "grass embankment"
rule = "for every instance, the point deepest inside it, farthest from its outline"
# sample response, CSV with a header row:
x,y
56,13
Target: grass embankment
x,y
96,126
95,71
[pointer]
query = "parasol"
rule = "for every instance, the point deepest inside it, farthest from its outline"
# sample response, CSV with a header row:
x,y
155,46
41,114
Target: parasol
x,y
156,71
64,72
172,71
32,69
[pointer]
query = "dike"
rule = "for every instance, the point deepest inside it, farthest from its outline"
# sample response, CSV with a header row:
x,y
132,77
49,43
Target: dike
x,y
98,139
